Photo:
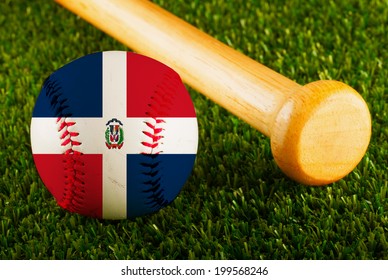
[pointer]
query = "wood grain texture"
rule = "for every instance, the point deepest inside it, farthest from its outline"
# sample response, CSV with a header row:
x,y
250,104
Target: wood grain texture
x,y
319,132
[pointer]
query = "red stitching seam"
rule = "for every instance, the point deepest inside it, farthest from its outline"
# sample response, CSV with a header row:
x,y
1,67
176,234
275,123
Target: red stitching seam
x,y
161,102
74,167
155,136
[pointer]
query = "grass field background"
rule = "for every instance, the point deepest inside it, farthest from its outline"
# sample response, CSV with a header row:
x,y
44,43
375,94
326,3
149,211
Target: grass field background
x,y
237,204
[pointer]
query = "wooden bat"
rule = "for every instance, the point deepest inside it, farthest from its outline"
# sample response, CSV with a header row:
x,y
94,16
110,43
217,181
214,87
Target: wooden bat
x,y
319,132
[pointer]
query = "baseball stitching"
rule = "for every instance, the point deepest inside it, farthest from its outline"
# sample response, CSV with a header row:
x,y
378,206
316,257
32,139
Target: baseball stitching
x,y
160,104
74,166
74,192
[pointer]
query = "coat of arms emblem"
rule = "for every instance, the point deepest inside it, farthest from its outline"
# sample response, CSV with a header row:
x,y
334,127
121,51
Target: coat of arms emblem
x,y
114,134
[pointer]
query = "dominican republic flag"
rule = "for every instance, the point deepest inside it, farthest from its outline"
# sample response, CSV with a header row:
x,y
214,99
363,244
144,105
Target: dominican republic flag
x,y
114,135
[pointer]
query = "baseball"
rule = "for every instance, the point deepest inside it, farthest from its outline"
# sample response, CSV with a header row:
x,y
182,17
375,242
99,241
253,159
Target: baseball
x,y
114,135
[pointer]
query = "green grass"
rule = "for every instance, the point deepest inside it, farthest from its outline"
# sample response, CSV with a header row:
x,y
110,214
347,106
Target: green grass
x,y
237,204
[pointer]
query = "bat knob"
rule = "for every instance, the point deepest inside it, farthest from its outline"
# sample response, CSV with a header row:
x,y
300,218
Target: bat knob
x,y
321,133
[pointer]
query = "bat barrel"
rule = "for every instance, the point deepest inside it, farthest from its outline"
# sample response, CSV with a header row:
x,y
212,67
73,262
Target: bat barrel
x,y
243,86
319,132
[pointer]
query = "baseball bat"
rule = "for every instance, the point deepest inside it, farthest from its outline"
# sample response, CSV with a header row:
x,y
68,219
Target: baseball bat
x,y
319,132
